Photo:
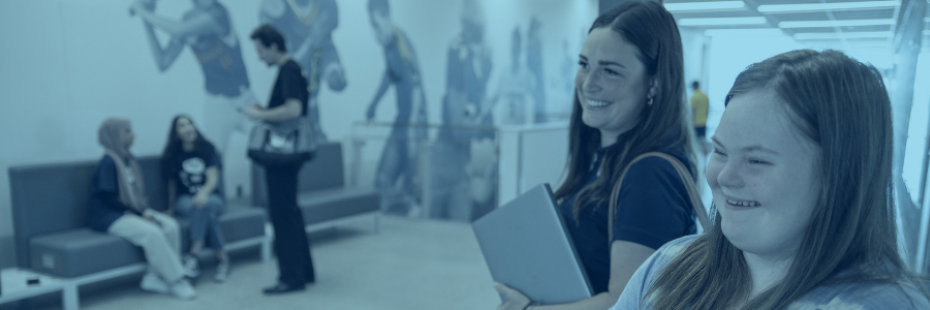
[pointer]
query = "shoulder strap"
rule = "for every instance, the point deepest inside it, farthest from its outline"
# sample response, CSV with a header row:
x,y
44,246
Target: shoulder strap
x,y
696,202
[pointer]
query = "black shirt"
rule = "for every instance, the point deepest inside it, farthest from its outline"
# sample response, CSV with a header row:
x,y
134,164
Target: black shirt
x,y
290,84
189,170
653,207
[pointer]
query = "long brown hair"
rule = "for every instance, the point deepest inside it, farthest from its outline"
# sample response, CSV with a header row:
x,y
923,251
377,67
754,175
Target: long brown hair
x,y
652,29
175,145
841,105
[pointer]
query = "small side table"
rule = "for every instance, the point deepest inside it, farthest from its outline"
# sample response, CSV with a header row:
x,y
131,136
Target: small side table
x,y
15,287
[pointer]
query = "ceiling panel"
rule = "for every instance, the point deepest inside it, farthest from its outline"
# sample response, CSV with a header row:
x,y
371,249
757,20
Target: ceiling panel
x,y
744,13
886,13
775,18
845,29
761,2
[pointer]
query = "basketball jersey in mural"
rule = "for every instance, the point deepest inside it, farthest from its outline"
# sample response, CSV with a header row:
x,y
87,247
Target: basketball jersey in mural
x,y
467,73
219,56
297,23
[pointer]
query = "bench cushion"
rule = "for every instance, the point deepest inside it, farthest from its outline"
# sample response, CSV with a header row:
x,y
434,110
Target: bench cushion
x,y
79,252
325,205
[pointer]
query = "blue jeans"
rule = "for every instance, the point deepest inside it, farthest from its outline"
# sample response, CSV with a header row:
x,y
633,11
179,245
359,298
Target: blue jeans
x,y
203,221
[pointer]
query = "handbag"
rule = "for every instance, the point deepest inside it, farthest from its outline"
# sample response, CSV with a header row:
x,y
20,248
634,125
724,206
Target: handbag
x,y
284,143
693,194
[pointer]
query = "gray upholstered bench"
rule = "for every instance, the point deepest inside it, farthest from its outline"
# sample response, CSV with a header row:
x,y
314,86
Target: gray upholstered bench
x,y
50,204
323,196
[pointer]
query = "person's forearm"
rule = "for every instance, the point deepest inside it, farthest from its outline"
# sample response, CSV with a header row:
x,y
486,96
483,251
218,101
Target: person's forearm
x,y
602,301
155,47
111,200
171,27
212,181
382,88
281,113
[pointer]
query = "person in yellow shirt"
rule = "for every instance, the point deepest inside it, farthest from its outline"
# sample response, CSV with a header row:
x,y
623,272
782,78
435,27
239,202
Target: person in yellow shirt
x,y
699,107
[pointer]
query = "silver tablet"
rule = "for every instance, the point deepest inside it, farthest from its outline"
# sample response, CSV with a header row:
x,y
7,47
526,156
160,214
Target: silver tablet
x,y
527,247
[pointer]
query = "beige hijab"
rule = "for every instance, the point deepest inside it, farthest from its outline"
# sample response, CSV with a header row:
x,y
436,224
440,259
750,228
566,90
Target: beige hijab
x,y
131,190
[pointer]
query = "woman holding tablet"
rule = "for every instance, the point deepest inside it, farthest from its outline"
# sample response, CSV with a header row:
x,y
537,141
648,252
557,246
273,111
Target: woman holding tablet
x,y
629,93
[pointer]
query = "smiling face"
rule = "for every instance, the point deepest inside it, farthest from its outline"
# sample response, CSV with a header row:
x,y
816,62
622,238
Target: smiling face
x,y
764,175
611,83
185,130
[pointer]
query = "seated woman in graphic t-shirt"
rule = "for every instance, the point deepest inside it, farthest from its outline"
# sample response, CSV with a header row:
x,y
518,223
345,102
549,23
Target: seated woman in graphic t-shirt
x,y
191,167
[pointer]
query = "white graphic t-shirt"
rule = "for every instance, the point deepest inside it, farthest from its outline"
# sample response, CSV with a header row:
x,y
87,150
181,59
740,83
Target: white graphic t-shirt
x,y
190,170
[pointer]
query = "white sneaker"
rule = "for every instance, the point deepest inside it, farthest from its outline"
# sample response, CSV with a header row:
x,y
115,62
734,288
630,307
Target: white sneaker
x,y
152,283
191,266
183,290
222,271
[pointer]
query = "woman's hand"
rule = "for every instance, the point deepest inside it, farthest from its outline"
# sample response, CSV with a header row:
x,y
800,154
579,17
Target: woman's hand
x,y
200,199
515,299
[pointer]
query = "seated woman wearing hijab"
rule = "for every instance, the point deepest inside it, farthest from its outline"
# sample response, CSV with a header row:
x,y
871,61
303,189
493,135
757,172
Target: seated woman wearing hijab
x,y
119,207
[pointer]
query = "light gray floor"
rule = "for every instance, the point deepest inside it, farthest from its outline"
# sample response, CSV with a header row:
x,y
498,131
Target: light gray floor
x,y
409,264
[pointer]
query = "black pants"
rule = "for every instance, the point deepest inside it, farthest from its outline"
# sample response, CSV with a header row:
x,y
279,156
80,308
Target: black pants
x,y
290,245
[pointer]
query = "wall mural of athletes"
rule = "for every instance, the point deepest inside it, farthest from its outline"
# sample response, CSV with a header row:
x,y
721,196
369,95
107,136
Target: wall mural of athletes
x,y
207,29
307,26
440,156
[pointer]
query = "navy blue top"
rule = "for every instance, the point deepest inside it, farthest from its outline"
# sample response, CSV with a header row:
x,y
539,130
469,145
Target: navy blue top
x,y
653,207
105,206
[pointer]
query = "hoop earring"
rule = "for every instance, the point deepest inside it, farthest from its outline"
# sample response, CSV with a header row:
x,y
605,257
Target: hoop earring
x,y
649,102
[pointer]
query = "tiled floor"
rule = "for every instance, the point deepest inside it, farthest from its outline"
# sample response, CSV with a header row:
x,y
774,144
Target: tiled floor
x,y
409,264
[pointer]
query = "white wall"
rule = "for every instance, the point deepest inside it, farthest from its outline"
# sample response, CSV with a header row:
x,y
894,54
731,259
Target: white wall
x,y
69,64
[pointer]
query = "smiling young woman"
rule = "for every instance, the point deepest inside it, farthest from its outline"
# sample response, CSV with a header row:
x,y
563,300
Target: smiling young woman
x,y
801,174
629,101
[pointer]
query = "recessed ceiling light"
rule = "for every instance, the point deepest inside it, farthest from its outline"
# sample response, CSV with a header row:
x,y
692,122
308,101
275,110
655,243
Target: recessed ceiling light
x,y
704,6
848,35
835,23
743,32
809,7
721,21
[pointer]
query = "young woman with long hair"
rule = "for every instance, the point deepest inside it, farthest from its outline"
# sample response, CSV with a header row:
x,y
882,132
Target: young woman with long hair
x,y
629,101
801,175
191,168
